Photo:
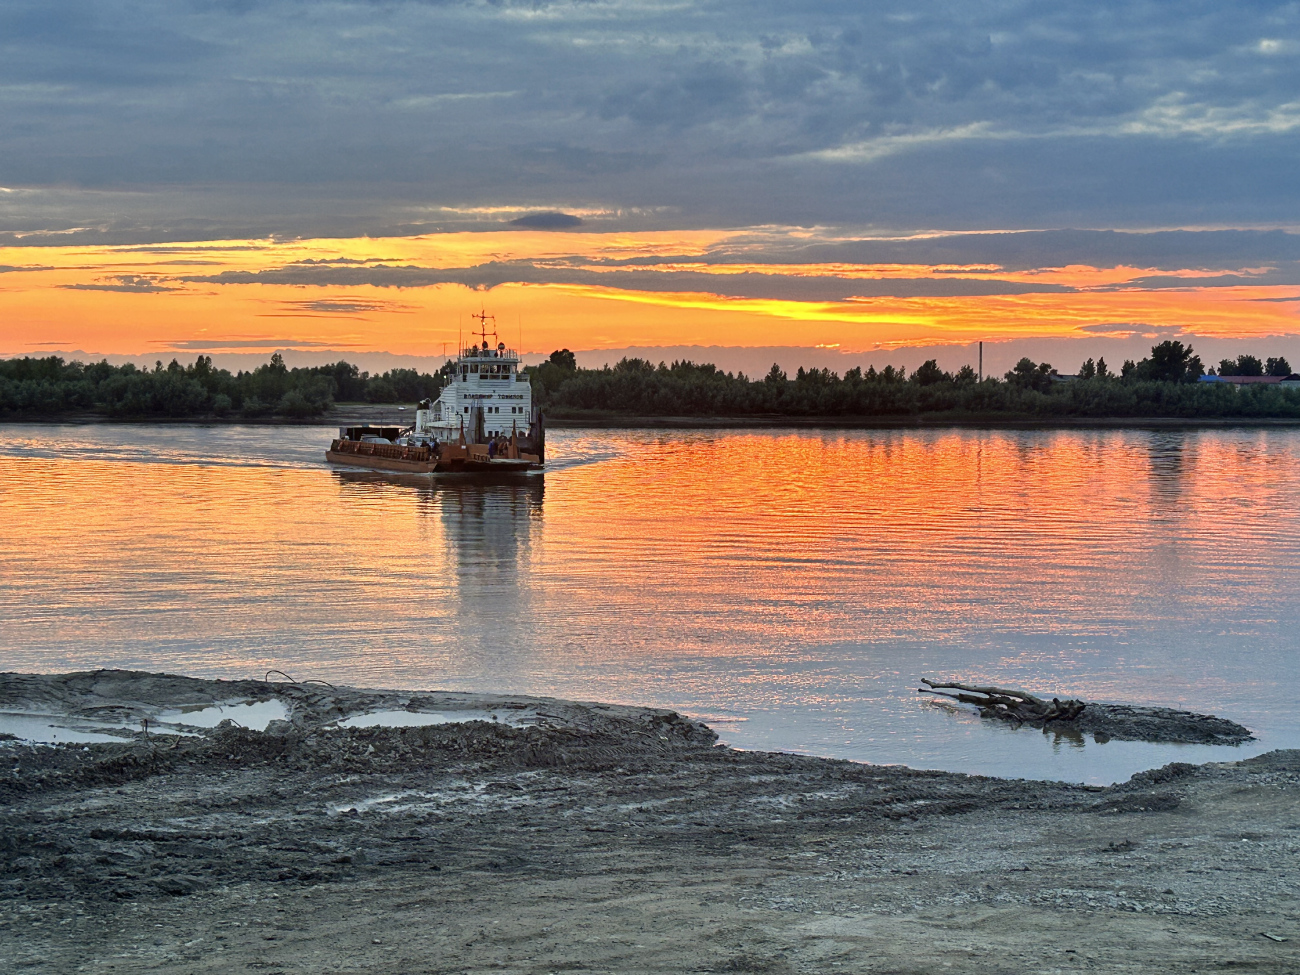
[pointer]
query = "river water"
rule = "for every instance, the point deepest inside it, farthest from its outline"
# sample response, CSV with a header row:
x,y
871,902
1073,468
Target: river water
x,y
790,587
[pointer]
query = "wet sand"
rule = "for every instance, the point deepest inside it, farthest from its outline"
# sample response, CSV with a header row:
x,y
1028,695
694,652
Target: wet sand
x,y
601,838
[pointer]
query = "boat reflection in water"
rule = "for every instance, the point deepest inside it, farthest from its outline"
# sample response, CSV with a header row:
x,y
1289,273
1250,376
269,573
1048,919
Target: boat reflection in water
x,y
476,532
511,498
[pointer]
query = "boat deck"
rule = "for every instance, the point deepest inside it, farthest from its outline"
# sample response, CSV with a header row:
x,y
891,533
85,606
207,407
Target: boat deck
x,y
450,458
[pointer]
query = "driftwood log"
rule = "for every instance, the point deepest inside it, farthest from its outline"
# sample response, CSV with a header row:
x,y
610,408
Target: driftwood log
x,y
1125,722
1007,703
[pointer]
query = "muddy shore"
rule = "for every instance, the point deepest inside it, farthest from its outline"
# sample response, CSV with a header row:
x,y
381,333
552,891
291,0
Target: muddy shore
x,y
561,836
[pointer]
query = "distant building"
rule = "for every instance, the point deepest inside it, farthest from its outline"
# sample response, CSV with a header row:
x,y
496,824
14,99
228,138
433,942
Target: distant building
x,y
1287,382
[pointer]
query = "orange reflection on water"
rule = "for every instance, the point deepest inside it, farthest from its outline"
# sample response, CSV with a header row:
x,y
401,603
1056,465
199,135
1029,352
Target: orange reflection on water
x,y
803,579
811,533
938,533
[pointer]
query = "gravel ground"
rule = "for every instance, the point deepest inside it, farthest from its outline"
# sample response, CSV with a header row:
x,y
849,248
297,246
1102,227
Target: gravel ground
x,y
607,839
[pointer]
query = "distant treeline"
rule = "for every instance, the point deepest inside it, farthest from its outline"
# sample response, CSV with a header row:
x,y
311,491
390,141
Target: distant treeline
x,y
1161,385
52,387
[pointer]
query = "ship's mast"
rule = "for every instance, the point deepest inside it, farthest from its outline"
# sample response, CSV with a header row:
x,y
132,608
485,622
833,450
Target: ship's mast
x,y
483,318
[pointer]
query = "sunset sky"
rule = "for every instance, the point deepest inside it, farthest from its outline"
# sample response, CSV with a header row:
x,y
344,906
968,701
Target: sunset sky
x,y
241,176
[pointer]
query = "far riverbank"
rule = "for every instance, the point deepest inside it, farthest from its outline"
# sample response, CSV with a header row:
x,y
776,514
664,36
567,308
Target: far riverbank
x,y
386,414
595,419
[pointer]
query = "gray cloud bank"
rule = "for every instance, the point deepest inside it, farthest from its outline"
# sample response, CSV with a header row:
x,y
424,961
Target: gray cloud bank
x,y
547,221
125,283
749,285
1268,258
167,120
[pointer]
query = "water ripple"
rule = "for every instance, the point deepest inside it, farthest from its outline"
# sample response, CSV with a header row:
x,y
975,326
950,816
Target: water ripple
x,y
799,580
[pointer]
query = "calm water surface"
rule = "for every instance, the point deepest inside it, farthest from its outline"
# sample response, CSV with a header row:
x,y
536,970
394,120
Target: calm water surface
x,y
788,586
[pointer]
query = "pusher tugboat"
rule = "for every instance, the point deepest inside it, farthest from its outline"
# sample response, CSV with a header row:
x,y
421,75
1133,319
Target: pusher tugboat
x,y
482,421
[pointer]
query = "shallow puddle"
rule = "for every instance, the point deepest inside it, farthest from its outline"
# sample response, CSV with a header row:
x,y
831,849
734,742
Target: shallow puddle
x,y
253,715
56,729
